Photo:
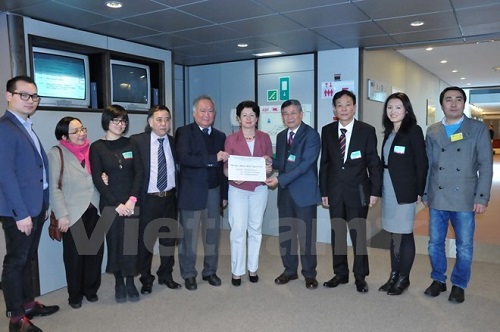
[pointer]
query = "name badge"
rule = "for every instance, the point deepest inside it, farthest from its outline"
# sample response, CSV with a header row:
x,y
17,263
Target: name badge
x,y
127,155
399,149
356,154
291,158
457,137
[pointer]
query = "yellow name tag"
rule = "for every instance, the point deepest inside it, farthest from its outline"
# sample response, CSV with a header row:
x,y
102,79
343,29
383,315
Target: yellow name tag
x,y
457,137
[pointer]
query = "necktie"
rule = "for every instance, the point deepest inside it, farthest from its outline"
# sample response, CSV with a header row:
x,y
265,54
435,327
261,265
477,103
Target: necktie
x,y
342,142
290,138
205,131
162,167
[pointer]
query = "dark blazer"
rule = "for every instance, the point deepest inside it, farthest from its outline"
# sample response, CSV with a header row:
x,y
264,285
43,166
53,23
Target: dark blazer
x,y
354,181
194,162
408,169
299,176
21,171
143,143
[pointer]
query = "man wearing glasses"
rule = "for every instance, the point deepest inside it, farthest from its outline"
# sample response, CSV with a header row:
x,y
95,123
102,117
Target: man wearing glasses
x,y
24,202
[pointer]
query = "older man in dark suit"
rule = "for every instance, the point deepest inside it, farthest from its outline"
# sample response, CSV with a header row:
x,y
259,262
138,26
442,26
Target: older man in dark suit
x,y
24,202
297,151
350,178
202,191
158,215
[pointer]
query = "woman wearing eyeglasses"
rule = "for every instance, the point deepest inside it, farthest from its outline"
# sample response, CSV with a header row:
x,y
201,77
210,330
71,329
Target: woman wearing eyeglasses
x,y
75,207
118,157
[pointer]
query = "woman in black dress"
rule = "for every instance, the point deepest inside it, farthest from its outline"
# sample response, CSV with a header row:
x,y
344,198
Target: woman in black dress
x,y
118,158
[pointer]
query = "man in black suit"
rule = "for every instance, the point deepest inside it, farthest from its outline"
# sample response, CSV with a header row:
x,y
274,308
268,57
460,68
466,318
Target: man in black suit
x,y
158,213
350,182
202,191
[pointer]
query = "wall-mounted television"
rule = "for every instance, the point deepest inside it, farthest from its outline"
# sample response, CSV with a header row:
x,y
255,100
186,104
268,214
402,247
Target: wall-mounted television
x,y
130,85
62,78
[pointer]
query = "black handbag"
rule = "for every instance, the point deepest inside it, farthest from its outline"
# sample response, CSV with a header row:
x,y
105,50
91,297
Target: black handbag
x,y
54,232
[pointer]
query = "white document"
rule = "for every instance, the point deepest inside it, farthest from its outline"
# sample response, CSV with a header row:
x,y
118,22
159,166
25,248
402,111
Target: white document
x,y
242,168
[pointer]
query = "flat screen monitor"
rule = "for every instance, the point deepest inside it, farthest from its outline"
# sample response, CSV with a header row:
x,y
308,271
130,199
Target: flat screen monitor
x,y
130,85
62,78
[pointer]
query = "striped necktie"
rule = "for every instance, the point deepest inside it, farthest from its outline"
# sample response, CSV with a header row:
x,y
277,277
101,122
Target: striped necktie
x,y
342,142
162,180
290,138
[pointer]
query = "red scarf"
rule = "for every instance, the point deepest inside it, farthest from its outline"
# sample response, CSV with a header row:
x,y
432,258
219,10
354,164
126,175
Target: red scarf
x,y
81,152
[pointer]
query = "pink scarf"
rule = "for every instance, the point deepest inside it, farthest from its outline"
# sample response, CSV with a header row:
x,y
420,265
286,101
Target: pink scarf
x,y
81,152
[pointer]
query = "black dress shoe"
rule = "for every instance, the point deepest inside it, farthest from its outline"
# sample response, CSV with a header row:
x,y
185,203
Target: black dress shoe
x,y
457,295
213,280
92,298
132,293
24,325
284,279
120,293
190,284
40,310
361,286
335,281
254,278
400,286
236,282
170,283
75,305
146,288
435,288
311,283
392,280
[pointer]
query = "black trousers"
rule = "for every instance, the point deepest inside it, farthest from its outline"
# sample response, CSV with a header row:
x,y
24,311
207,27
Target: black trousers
x,y
355,219
17,282
82,262
297,226
157,220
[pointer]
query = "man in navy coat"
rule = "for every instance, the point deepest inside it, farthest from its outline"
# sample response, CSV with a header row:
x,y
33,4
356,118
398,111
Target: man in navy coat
x,y
202,191
24,202
297,151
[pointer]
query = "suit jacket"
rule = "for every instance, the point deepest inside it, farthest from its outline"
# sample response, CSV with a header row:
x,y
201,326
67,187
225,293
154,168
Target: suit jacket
x,y
360,177
299,173
407,164
194,162
460,172
21,171
78,189
236,144
143,143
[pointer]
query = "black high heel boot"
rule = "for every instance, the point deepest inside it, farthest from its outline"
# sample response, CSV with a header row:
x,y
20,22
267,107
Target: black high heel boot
x,y
400,286
392,280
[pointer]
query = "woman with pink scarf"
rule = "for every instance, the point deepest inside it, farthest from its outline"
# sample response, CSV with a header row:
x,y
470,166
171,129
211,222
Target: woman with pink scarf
x,y
75,205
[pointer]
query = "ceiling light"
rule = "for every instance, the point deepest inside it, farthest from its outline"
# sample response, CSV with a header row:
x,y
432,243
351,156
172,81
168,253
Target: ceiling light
x,y
268,53
462,78
497,68
429,49
468,84
114,4
444,61
454,71
242,45
485,41
417,23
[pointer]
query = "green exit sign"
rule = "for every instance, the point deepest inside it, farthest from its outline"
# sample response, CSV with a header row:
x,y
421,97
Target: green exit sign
x,y
284,88
272,95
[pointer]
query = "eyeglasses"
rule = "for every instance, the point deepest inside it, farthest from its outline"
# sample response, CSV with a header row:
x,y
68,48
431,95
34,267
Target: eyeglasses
x,y
77,131
26,96
119,121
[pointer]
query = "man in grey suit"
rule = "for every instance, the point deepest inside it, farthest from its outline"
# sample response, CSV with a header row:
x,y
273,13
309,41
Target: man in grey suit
x,y
458,186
